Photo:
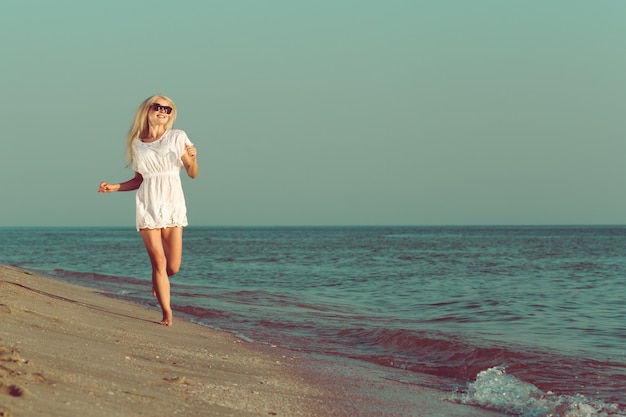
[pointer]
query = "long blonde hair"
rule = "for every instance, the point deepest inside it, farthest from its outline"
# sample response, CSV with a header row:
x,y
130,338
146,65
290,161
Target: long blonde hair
x,y
140,127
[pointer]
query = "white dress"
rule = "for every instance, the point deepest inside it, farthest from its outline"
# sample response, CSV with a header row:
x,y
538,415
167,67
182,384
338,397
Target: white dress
x,y
160,199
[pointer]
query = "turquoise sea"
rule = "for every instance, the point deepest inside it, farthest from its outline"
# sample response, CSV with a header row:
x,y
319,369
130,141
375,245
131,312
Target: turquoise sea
x,y
529,321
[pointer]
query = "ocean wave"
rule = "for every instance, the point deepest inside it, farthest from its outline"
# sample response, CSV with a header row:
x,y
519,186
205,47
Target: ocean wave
x,y
496,390
460,358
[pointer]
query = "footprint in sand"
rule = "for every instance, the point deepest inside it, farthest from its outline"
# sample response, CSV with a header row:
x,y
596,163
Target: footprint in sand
x,y
11,357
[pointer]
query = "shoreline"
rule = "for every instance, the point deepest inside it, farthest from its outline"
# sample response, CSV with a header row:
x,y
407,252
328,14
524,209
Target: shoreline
x,y
69,350
66,350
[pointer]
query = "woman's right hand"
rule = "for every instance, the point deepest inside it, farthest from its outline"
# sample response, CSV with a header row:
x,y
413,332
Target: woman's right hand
x,y
105,187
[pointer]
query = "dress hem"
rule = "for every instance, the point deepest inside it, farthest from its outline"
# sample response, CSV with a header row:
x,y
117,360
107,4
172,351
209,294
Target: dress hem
x,y
161,227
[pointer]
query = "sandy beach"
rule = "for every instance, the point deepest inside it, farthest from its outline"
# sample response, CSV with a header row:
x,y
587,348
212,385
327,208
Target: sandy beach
x,y
66,350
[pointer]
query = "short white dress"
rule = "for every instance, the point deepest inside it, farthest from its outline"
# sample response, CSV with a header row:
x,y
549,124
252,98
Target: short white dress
x,y
160,199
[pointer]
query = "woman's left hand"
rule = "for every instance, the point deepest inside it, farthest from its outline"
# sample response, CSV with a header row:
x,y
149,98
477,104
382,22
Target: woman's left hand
x,y
191,151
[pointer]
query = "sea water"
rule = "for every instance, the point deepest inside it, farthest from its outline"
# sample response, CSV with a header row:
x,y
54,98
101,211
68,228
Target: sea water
x,y
529,321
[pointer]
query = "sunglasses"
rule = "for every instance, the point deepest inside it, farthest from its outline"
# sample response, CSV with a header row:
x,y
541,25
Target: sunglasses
x,y
159,107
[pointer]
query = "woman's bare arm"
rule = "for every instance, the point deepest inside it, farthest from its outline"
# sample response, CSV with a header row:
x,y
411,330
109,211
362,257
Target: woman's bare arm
x,y
190,162
129,185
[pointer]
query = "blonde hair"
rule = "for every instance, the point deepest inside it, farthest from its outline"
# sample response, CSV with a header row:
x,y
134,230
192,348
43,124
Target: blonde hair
x,y
140,127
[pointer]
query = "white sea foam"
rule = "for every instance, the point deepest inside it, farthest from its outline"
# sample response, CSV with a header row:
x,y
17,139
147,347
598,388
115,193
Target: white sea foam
x,y
495,389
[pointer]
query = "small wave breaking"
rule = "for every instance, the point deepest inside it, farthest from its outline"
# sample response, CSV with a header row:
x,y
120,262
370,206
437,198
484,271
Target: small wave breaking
x,y
496,390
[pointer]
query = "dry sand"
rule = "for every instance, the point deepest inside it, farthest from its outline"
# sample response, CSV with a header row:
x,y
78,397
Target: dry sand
x,y
67,350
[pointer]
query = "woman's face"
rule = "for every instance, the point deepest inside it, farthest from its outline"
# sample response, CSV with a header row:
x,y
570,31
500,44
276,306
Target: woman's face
x,y
159,112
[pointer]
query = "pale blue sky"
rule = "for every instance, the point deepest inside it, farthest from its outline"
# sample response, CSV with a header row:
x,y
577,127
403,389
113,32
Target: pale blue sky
x,y
326,112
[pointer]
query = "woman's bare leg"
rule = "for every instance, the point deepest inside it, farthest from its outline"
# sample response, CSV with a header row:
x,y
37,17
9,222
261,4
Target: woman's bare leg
x,y
173,245
172,239
154,240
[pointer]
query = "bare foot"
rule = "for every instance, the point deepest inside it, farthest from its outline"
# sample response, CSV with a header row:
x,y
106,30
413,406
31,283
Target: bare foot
x,y
166,321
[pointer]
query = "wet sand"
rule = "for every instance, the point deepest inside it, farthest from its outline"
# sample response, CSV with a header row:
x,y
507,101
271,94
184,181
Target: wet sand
x,y
67,350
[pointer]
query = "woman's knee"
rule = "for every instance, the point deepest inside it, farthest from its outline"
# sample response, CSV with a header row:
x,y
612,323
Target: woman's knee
x,y
172,269
159,263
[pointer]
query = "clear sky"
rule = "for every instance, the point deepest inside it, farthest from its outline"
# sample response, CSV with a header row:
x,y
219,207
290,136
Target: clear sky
x,y
325,112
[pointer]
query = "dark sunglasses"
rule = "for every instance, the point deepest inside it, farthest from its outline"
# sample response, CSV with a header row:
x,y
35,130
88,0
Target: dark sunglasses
x,y
158,107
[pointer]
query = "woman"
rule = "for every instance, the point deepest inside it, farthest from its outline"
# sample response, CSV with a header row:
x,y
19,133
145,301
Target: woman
x,y
157,152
